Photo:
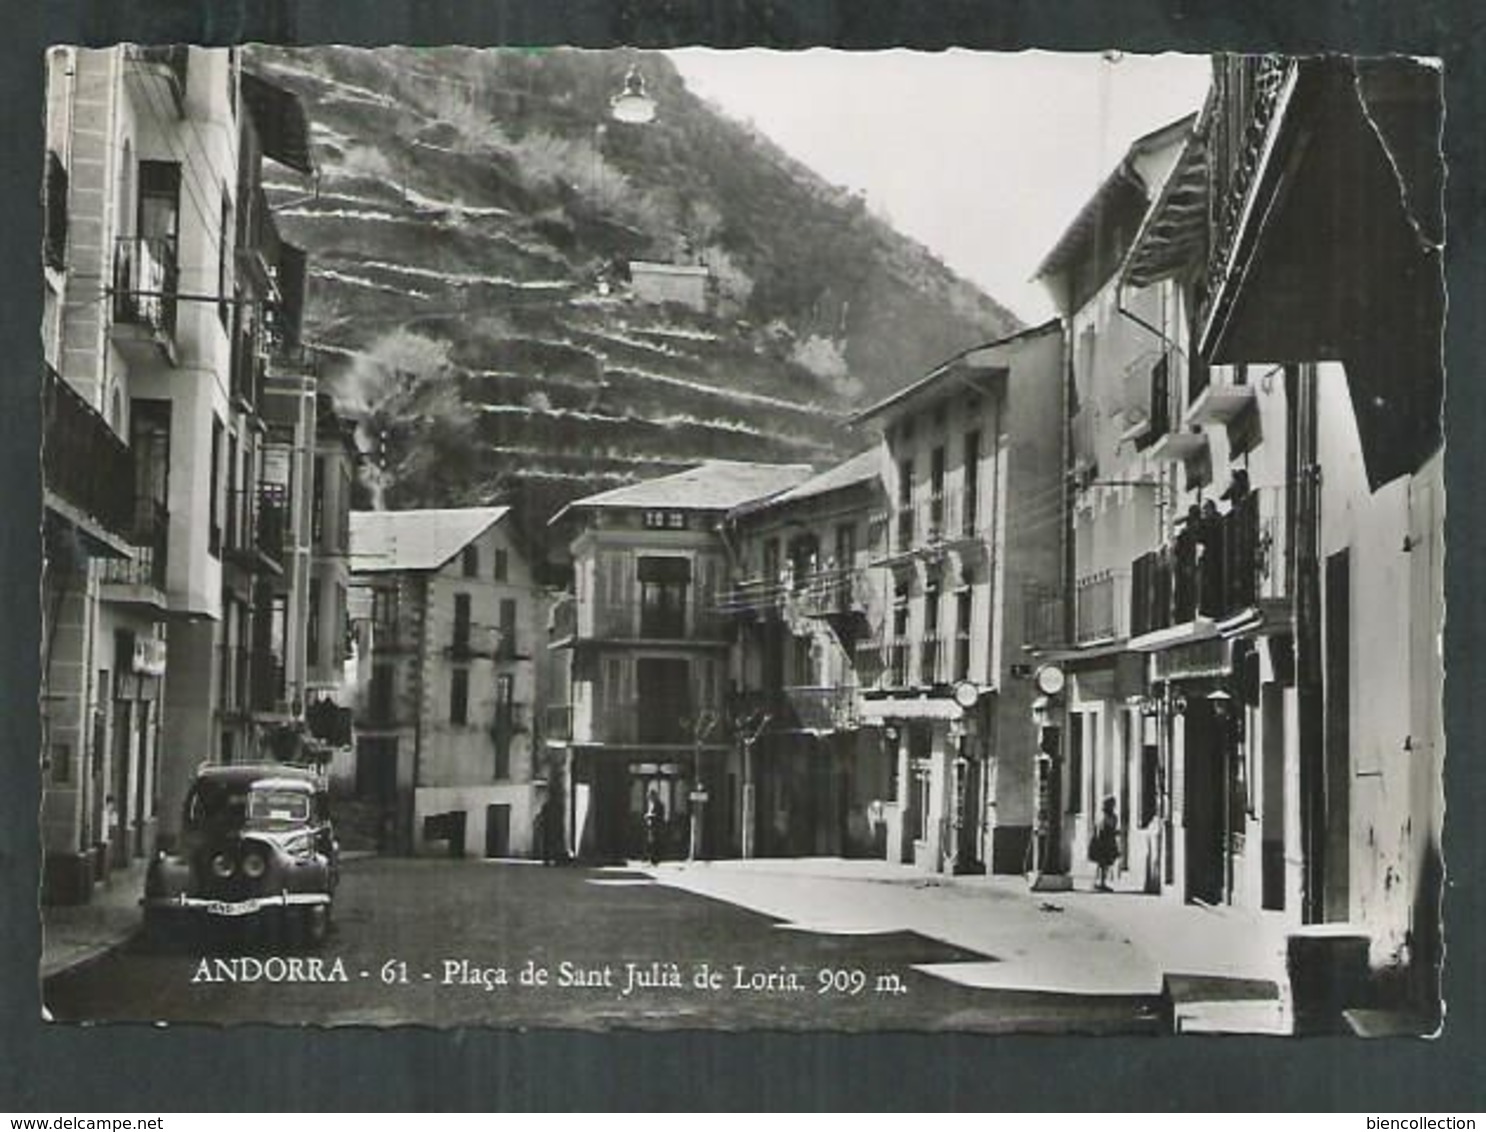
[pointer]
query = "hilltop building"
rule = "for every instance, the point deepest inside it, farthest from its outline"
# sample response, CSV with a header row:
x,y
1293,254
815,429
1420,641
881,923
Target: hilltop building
x,y
445,741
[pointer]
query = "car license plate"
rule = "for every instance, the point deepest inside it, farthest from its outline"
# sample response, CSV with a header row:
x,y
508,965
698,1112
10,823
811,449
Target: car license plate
x,y
221,908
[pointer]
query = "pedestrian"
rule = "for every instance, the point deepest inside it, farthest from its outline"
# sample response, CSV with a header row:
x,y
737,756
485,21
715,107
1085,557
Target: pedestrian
x,y
1104,846
655,826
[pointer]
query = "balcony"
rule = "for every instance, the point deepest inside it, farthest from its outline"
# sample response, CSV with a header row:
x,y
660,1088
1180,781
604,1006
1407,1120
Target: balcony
x,y
145,285
557,722
140,578
1100,606
832,593
692,624
753,597
895,665
1215,570
257,523
1246,96
87,470
802,709
632,723
1042,618
494,645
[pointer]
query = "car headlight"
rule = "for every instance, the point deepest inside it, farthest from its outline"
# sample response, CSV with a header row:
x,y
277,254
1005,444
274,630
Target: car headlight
x,y
221,865
254,866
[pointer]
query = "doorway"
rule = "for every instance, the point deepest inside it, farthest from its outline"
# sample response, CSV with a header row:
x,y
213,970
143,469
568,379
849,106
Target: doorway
x,y
1203,810
498,830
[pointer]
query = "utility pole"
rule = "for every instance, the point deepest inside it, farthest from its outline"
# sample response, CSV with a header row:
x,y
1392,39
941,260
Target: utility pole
x,y
748,738
701,727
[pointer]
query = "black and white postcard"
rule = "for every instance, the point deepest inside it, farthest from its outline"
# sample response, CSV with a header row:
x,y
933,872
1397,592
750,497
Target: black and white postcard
x,y
722,540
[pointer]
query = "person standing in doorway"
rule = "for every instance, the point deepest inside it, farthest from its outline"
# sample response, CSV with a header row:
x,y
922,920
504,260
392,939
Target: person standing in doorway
x,y
655,825
1104,847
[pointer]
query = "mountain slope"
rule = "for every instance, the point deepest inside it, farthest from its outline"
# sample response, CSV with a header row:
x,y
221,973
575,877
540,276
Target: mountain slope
x,y
471,229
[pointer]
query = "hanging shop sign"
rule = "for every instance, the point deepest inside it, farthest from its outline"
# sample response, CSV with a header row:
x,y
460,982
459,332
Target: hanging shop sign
x,y
1196,660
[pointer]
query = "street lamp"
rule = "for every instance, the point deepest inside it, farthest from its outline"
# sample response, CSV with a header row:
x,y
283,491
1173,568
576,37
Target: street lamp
x,y
632,104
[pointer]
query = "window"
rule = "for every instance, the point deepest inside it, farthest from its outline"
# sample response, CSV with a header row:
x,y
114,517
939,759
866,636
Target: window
x,y
56,212
342,626
771,560
224,260
384,613
312,624
936,492
159,201
663,585
461,622
459,696
470,561
665,520
971,516
214,505
508,627
965,603
905,503
1160,415
505,723
502,564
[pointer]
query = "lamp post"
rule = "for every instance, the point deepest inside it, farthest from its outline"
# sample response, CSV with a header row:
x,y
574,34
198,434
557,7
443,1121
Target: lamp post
x,y
632,104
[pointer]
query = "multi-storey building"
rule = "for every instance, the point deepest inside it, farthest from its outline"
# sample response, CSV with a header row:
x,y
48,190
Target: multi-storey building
x,y
648,649
972,458
1285,582
814,780
310,449
445,724
152,315
1120,374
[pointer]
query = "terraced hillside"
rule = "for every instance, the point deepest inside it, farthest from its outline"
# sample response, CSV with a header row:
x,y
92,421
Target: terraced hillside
x,y
470,230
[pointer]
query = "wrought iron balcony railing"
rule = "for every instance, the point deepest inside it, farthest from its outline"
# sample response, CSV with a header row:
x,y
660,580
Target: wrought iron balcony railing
x,y
1215,568
85,463
150,536
146,283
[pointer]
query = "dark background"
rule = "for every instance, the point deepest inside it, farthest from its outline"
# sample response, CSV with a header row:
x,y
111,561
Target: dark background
x,y
59,1069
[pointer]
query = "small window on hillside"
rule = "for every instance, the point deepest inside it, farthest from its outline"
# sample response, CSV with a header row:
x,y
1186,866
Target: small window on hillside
x,y
502,565
471,561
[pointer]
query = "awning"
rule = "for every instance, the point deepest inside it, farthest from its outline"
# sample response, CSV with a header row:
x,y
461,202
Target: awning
x,y
1175,233
880,711
279,118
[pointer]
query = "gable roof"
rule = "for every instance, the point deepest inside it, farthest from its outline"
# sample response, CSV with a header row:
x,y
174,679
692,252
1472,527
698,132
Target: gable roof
x,y
980,359
717,485
384,541
864,467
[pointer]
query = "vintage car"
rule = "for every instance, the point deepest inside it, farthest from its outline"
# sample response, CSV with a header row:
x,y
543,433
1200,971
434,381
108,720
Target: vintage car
x,y
257,847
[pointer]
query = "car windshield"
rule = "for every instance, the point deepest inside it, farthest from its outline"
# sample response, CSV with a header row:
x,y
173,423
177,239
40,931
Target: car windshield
x,y
278,807
218,806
